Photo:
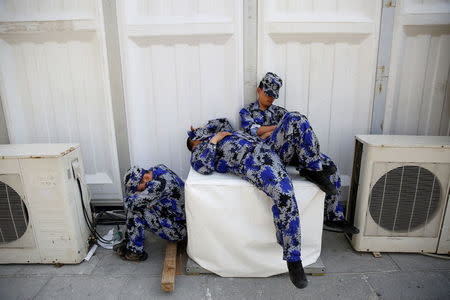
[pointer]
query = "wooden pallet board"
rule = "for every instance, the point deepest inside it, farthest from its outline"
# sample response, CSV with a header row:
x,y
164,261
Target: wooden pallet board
x,y
182,258
170,263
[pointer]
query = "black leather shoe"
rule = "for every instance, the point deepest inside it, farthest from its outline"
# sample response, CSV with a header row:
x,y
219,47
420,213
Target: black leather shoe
x,y
120,248
297,274
340,226
321,180
132,256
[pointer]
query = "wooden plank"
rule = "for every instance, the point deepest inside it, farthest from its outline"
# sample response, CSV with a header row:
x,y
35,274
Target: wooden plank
x,y
182,258
168,275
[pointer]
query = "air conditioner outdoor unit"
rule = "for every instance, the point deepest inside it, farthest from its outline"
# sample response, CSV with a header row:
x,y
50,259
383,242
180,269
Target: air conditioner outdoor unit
x,y
399,194
41,211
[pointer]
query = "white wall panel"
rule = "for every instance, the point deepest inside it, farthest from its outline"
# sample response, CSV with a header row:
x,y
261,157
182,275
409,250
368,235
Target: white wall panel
x,y
182,65
54,83
417,101
325,51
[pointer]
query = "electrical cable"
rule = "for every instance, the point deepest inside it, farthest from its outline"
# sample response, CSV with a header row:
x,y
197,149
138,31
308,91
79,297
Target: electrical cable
x,y
110,217
436,255
91,224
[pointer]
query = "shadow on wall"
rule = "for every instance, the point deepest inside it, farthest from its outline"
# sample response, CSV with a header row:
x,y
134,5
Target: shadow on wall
x,y
4,139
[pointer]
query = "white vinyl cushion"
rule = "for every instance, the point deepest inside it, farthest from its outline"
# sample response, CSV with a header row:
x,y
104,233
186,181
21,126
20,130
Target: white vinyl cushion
x,y
231,230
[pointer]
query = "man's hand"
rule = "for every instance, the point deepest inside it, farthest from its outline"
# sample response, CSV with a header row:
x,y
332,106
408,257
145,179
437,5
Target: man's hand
x,y
266,135
192,128
219,136
265,129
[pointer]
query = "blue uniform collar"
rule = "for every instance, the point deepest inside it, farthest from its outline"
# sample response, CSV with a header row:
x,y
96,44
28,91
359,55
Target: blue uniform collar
x,y
255,106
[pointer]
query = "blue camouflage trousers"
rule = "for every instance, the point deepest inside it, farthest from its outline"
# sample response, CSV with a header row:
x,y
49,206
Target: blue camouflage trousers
x,y
263,168
156,219
294,138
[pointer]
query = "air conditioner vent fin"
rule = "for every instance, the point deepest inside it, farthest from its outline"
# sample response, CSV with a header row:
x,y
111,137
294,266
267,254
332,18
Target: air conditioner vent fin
x,y
13,214
405,198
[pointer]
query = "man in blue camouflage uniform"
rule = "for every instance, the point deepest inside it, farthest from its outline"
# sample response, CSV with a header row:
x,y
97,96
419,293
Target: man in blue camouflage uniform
x,y
154,200
216,147
292,137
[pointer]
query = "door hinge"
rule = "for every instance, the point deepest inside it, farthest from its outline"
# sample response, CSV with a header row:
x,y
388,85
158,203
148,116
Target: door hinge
x,y
390,3
382,72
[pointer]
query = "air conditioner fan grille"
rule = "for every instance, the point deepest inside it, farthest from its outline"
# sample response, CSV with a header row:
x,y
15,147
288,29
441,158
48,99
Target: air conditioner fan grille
x,y
13,214
405,198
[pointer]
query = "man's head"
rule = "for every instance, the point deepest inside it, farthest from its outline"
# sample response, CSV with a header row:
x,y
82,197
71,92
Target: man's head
x,y
132,179
268,89
191,144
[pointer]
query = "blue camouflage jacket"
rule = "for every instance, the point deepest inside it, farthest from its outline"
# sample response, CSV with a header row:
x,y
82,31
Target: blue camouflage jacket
x,y
164,193
226,155
253,117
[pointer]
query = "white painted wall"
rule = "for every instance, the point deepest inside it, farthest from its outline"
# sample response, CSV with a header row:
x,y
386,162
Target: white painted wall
x,y
54,82
183,65
325,51
418,95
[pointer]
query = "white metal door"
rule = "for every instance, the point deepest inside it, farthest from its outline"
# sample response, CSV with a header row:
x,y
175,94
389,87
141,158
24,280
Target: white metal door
x,y
325,51
55,84
418,94
182,63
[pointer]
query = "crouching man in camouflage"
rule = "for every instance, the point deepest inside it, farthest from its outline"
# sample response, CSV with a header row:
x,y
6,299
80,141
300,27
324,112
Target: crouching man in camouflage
x,y
154,200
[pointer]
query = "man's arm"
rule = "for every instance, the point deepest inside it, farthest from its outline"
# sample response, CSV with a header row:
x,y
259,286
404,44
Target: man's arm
x,y
265,131
212,127
175,178
147,198
203,156
248,123
217,125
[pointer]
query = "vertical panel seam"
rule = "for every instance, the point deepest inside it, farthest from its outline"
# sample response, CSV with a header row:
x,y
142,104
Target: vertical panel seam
x,y
309,81
91,132
423,88
447,86
153,91
66,103
45,64
434,85
27,80
51,95
331,94
285,72
200,76
176,95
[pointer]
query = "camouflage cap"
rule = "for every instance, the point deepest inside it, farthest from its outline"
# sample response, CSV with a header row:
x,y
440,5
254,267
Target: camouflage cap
x,y
132,179
271,84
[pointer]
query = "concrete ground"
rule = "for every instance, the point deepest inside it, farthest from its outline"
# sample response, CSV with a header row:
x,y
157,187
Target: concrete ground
x,y
350,275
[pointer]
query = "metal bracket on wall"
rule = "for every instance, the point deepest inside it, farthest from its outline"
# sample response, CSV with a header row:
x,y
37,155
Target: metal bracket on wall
x,y
390,3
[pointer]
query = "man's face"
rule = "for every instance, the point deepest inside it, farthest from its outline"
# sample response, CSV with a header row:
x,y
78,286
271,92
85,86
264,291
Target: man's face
x,y
195,144
264,100
146,178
